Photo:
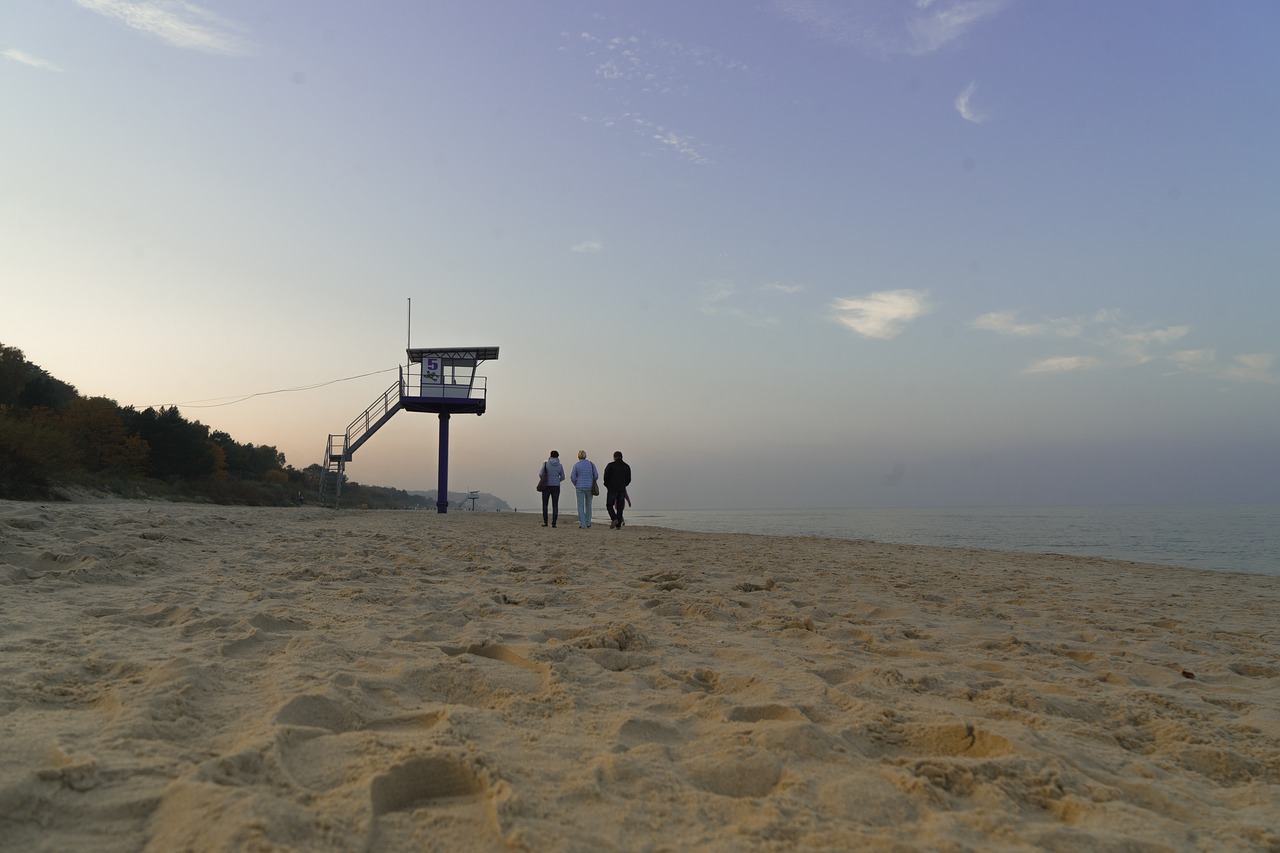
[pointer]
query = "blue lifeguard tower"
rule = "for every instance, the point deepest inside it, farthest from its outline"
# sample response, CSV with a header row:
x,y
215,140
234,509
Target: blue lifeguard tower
x,y
442,381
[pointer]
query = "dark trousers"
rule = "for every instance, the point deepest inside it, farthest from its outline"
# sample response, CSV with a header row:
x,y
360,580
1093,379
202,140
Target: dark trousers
x,y
614,500
551,493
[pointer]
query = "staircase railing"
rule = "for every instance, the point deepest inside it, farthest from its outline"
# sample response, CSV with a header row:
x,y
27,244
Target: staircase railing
x,y
340,448
378,413
331,475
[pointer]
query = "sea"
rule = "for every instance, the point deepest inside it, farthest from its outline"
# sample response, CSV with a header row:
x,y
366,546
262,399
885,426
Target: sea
x,y
1222,538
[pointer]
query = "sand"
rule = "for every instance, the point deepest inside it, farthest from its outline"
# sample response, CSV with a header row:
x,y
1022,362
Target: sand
x,y
185,677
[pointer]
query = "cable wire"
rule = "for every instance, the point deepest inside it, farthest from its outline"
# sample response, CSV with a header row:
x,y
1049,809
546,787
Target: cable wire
x,y
231,401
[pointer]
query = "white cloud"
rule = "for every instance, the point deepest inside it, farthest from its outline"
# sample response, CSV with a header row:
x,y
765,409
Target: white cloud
x,y
1104,330
935,27
880,315
1123,346
883,27
1063,364
776,287
177,22
964,108
28,59
1193,359
588,247
1007,323
1253,367
719,298
1136,346
684,146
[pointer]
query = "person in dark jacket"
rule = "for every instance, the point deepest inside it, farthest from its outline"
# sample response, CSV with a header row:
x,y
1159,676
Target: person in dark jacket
x,y
617,476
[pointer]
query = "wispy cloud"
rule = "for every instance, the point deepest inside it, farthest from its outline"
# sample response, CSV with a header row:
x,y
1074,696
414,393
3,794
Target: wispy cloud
x,y
684,146
720,298
938,23
883,27
28,59
637,65
965,108
1136,347
1194,359
1007,323
1063,364
778,287
1254,367
1121,344
648,63
880,315
176,22
587,247
1250,367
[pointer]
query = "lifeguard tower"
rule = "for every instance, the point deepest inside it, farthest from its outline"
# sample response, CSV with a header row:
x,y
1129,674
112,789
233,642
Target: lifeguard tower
x,y
442,381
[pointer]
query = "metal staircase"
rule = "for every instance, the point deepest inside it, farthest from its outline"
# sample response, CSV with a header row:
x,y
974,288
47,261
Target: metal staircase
x,y
340,448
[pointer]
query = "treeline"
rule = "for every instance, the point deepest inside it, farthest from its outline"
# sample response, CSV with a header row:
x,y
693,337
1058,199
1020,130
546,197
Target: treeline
x,y
52,439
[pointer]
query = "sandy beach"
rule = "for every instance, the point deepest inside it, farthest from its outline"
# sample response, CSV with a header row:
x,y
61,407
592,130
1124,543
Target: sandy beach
x,y
193,677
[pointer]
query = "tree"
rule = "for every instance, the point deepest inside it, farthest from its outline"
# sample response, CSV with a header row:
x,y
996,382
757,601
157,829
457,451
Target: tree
x,y
13,375
43,390
179,449
34,454
96,428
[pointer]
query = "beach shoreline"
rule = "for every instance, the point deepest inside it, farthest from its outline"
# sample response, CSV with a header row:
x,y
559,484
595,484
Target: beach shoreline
x,y
187,676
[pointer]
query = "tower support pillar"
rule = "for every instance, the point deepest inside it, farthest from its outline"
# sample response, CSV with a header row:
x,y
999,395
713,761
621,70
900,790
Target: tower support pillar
x,y
442,487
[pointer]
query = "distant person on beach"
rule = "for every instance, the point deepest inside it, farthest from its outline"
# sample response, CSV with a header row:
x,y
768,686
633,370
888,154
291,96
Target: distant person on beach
x,y
583,476
552,474
617,476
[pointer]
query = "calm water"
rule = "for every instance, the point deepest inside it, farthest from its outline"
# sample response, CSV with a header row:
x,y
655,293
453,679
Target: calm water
x,y
1234,538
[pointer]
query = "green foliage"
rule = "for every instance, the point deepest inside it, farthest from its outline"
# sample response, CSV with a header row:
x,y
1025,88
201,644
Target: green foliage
x,y
97,429
180,449
13,375
51,437
33,453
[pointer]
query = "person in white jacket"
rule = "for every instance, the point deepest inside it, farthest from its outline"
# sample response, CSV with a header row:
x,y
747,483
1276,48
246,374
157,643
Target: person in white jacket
x,y
551,475
583,476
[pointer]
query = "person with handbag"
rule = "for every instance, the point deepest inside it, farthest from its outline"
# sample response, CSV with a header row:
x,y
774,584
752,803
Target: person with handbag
x,y
584,476
549,479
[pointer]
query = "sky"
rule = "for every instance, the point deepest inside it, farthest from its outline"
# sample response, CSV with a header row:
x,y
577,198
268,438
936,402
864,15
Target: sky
x,y
786,253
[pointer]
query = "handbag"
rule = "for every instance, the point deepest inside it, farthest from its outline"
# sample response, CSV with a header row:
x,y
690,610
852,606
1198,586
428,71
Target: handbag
x,y
595,487
542,479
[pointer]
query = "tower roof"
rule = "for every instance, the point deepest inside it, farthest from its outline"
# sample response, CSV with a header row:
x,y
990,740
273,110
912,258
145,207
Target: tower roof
x,y
473,354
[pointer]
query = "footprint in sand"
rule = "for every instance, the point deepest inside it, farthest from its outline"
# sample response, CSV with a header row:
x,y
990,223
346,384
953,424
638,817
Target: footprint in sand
x,y
665,581
262,635
435,801
764,713
741,771
949,739
318,712
499,667
638,730
323,740
429,780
